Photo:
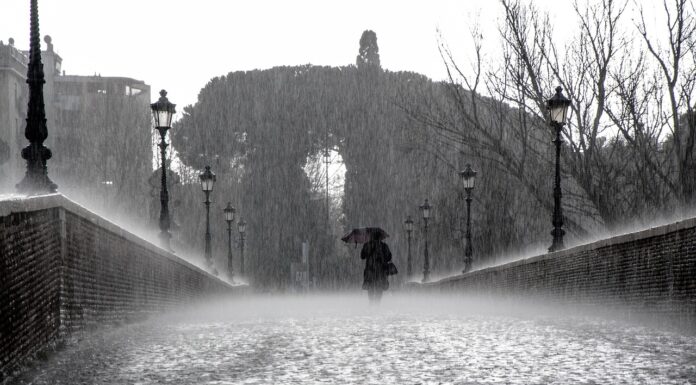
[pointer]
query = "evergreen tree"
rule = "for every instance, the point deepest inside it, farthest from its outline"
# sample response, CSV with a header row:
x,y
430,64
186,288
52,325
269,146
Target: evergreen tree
x,y
368,55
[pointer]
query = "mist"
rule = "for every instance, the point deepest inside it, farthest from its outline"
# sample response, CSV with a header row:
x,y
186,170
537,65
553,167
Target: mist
x,y
409,339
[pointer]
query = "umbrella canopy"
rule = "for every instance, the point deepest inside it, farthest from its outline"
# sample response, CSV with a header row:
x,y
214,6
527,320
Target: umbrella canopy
x,y
364,235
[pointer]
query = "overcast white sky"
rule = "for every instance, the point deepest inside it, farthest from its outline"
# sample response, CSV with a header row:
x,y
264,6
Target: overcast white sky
x,y
180,45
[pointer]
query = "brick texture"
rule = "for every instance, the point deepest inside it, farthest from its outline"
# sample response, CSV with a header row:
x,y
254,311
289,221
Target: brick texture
x,y
62,270
30,266
652,272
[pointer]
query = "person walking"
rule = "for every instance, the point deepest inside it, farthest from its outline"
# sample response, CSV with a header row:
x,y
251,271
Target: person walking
x,y
377,257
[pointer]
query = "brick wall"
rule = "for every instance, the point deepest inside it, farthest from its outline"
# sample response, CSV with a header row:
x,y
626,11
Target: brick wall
x,y
63,268
30,261
647,273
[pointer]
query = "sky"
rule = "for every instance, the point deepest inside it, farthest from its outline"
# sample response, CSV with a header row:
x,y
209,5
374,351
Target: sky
x,y
180,45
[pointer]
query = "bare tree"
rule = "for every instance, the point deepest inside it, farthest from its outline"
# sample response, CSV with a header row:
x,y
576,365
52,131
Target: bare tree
x,y
501,110
676,83
508,126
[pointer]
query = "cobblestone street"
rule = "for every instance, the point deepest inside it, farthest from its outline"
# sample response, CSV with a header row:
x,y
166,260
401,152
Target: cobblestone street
x,y
342,340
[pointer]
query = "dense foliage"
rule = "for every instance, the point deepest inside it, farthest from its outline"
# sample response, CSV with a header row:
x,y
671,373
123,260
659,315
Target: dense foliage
x,y
258,129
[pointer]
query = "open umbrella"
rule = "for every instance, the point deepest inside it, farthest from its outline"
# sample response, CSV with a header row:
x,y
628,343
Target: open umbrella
x,y
363,235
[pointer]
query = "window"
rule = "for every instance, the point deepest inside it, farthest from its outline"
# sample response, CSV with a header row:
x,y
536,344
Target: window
x,y
130,91
96,88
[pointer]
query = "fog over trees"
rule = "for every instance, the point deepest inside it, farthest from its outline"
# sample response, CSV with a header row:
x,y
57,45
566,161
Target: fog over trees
x,y
401,137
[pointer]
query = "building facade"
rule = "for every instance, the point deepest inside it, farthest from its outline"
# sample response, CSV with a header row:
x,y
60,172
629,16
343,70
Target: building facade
x,y
13,112
99,131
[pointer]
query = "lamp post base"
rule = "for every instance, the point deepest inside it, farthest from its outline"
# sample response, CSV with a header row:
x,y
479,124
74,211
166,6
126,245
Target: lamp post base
x,y
165,238
557,244
36,180
467,266
556,247
426,277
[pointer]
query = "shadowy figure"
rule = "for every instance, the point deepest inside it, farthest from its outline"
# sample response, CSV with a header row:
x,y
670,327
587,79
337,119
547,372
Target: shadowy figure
x,y
376,255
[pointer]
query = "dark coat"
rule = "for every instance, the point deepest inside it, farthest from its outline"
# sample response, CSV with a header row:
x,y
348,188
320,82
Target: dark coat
x,y
376,255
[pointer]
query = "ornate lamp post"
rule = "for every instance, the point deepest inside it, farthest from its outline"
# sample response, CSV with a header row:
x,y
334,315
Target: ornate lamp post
x,y
468,178
425,208
229,218
558,109
207,182
163,112
408,225
242,228
36,180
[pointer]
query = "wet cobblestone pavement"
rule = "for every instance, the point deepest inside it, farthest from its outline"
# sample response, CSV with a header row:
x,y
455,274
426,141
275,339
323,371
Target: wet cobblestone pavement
x,y
342,340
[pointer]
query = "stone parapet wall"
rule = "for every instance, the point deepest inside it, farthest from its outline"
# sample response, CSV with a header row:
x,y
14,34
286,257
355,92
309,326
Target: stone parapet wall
x,y
63,268
651,272
30,264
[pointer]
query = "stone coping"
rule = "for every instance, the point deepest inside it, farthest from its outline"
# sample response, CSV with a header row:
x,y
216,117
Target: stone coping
x,y
614,240
21,204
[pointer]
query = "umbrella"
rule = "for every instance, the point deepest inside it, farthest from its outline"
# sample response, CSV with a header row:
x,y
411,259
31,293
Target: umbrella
x,y
363,235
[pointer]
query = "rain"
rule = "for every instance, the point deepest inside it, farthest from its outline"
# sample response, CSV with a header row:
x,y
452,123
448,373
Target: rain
x,y
315,163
